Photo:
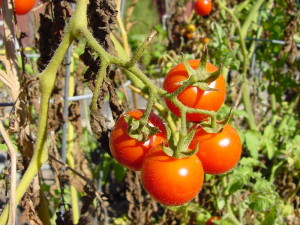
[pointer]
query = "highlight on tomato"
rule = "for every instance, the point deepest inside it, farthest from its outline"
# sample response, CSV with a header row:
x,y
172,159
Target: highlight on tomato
x,y
171,181
203,7
22,7
218,152
193,96
128,151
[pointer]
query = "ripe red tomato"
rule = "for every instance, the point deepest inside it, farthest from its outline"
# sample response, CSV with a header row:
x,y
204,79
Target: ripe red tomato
x,y
218,152
203,7
193,96
211,220
23,6
171,181
128,151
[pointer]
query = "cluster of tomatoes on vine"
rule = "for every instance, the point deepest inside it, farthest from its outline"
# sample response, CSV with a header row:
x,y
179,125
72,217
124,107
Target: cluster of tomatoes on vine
x,y
171,173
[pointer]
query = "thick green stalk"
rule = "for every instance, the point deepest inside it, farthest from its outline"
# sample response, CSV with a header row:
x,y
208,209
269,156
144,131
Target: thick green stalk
x,y
251,17
40,155
71,163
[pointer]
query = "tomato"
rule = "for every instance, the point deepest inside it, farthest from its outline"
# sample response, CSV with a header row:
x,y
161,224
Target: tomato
x,y
206,40
171,181
218,152
128,151
211,220
193,96
203,7
190,28
23,6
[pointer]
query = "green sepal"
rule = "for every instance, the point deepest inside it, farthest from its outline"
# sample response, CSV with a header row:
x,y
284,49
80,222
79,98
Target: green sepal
x,y
204,60
139,131
168,151
207,125
186,153
205,87
213,76
199,77
184,144
227,118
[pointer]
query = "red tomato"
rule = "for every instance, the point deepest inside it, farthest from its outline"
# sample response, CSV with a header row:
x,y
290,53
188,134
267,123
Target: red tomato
x,y
193,96
128,151
203,7
23,6
218,152
211,220
171,181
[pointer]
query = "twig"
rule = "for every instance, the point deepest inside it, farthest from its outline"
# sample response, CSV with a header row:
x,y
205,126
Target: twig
x,y
87,180
13,170
9,37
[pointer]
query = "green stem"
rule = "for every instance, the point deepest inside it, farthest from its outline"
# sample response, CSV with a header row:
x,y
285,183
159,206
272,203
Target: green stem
x,y
231,215
151,100
248,106
140,50
71,163
99,81
251,17
40,155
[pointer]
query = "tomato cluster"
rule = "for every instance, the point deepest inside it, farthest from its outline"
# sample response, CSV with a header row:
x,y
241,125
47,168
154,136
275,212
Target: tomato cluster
x,y
173,180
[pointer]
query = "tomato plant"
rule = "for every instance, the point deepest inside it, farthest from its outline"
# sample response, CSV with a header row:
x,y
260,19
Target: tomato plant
x,y
128,151
211,220
203,7
171,181
218,152
193,96
23,6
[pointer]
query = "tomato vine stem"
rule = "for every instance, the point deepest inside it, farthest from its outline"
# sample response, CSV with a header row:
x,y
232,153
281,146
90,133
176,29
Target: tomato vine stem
x,y
40,154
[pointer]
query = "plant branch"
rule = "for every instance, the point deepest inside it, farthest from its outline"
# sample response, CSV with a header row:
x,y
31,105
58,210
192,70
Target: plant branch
x,y
40,155
13,172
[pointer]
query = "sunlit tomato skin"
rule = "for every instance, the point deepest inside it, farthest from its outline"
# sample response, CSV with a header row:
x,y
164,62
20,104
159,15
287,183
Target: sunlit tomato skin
x,y
218,152
211,220
128,151
171,181
203,7
23,6
193,96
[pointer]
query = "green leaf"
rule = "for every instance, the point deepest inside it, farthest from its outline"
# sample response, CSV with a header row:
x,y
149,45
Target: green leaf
x,y
271,217
250,162
3,147
240,113
263,197
239,178
253,140
119,171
